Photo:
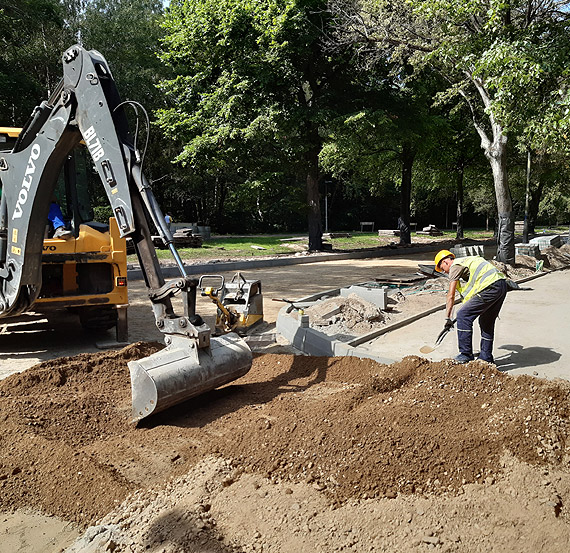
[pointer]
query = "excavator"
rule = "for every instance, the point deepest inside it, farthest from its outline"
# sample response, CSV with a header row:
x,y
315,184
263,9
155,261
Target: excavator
x,y
85,273
86,106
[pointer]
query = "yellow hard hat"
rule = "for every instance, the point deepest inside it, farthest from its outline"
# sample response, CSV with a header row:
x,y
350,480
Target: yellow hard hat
x,y
440,256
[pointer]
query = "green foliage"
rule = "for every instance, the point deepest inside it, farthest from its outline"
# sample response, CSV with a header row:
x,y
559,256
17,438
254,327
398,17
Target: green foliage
x,y
102,213
32,33
127,33
252,92
254,104
516,52
555,205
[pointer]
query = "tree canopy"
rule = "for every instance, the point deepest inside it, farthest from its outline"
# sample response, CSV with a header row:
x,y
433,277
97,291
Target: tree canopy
x,y
261,108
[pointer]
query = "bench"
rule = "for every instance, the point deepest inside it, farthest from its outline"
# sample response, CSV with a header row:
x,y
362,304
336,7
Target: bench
x,y
366,224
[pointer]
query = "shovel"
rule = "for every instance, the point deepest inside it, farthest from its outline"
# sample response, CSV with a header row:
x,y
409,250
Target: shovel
x,y
439,340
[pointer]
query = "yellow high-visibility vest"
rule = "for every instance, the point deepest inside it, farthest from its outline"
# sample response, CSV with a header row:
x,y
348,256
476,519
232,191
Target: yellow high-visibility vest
x,y
481,275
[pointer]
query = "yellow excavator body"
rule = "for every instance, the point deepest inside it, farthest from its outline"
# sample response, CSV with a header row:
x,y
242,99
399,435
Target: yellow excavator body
x,y
86,274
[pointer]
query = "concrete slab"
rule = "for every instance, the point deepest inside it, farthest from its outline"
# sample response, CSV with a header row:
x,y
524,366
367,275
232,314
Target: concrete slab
x,y
531,335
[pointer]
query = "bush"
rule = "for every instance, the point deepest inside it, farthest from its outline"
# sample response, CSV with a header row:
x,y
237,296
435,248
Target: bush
x,y
101,214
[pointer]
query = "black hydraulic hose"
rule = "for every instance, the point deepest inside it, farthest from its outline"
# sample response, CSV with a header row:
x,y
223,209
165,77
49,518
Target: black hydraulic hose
x,y
3,229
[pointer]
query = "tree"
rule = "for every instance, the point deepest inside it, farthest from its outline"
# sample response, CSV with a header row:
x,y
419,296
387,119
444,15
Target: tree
x,y
253,88
470,44
381,143
31,36
128,34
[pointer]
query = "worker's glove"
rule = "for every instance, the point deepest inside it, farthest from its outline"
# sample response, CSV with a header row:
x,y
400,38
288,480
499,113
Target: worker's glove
x,y
448,324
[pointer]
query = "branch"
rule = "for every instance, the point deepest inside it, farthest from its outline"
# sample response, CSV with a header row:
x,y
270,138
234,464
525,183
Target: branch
x,y
497,128
485,141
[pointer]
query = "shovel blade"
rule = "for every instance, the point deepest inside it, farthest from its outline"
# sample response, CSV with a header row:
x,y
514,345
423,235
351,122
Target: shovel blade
x,y
182,371
427,349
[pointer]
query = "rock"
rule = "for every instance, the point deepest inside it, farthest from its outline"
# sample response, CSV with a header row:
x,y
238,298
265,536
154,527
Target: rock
x,y
433,540
98,539
227,481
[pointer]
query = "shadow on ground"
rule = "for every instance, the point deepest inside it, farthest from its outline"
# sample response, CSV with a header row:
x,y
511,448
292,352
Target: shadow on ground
x,y
521,357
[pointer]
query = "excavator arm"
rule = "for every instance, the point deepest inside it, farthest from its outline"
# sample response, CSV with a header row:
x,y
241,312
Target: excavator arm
x,y
86,106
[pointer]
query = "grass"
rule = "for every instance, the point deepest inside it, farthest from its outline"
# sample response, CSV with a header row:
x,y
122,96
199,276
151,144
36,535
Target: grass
x,y
228,247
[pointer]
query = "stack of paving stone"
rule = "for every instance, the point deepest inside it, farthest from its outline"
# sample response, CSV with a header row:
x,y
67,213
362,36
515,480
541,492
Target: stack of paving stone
x,y
531,250
464,251
430,230
186,238
544,242
183,238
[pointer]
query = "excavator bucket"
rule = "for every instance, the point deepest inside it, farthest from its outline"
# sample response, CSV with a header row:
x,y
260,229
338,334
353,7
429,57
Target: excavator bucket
x,y
182,371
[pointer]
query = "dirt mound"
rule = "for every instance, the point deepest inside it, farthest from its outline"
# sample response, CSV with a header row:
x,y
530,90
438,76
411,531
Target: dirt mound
x,y
350,428
525,266
556,258
345,315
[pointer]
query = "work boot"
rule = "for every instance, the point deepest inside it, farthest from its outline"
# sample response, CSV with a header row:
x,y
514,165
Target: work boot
x,y
63,233
462,358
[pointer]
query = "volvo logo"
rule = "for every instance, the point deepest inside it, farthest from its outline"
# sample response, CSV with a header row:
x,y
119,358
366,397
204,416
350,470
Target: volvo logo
x,y
26,182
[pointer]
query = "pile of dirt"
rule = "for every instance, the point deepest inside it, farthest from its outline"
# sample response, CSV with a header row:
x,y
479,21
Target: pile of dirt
x,y
215,509
552,258
351,429
525,261
556,258
349,315
524,267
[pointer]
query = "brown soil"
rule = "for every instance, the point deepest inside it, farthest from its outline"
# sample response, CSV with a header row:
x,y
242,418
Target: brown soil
x,y
329,433
302,454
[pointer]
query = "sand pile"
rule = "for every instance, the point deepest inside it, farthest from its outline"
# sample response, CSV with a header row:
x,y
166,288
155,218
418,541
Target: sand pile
x,y
352,428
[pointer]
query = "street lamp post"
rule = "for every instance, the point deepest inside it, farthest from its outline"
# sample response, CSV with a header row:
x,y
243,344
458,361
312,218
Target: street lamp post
x,y
327,182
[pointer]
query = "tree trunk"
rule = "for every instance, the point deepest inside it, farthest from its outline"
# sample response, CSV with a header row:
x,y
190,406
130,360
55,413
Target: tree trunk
x,y
313,201
497,156
408,155
541,177
534,204
527,197
496,152
460,177
220,199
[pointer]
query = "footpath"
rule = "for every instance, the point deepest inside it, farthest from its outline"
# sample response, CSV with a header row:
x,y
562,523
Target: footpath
x,y
531,334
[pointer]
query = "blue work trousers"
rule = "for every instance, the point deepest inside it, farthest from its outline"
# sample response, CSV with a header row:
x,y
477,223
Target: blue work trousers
x,y
485,305
55,216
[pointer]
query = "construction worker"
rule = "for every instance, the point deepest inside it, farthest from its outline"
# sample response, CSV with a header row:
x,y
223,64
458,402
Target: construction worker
x,y
483,289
